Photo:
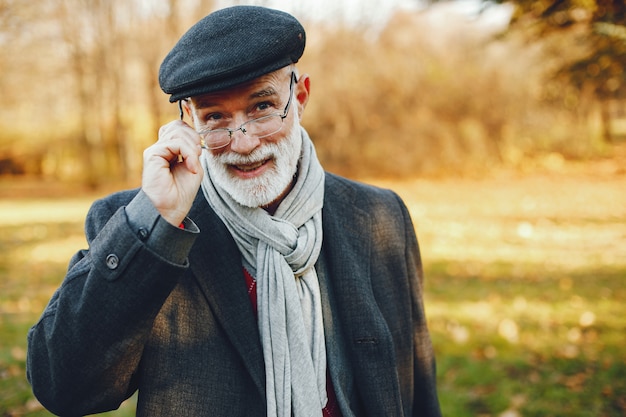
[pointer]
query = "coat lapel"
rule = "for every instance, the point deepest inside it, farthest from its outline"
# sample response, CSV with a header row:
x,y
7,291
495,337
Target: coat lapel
x,y
216,264
346,247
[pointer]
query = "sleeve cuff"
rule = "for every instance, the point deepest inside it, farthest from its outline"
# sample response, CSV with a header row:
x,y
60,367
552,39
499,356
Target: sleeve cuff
x,y
168,241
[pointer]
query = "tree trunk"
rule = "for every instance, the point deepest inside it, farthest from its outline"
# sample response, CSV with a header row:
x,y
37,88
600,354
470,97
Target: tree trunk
x,y
605,112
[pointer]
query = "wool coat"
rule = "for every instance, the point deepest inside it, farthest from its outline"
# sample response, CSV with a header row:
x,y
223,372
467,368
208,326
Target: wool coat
x,y
165,311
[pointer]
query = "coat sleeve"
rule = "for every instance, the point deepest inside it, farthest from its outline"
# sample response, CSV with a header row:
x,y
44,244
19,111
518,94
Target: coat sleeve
x,y
85,349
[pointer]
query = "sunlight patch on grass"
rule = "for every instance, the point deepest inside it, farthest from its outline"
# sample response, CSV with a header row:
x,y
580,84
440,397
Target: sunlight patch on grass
x,y
57,250
564,223
550,243
539,325
19,212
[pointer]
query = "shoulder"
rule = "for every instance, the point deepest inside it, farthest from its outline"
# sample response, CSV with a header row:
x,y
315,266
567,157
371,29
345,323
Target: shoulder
x,y
112,202
359,194
104,208
346,201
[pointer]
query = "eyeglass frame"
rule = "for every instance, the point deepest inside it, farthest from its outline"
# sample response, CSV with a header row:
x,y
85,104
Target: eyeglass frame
x,y
293,80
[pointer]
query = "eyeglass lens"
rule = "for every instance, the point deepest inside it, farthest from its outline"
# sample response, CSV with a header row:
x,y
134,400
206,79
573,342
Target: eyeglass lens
x,y
260,127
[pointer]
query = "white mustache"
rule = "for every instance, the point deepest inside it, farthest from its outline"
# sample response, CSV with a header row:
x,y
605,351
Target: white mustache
x,y
261,154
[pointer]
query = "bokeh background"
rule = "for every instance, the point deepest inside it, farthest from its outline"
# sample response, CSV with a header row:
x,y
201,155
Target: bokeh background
x,y
501,124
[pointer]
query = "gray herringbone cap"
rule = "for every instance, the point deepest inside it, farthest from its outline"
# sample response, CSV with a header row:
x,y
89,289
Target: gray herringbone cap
x,y
229,47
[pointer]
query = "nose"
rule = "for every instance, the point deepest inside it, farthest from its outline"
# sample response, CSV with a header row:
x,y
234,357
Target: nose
x,y
242,142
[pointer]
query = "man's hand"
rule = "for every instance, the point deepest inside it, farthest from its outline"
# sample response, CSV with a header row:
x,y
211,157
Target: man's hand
x,y
172,185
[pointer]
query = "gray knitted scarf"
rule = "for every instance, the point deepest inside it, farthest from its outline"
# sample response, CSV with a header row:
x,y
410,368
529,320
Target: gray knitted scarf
x,y
282,250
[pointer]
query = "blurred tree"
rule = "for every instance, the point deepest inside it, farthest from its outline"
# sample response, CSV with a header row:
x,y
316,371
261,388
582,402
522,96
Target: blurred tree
x,y
91,34
16,19
598,28
112,50
151,49
81,97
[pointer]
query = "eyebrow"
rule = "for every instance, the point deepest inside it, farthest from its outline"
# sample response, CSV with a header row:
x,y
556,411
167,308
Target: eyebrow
x,y
204,103
267,92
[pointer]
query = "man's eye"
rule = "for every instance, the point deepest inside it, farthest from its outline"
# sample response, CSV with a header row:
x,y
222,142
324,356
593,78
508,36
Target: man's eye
x,y
211,117
264,106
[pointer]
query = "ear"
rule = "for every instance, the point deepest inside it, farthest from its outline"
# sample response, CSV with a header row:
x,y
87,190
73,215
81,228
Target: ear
x,y
303,88
186,108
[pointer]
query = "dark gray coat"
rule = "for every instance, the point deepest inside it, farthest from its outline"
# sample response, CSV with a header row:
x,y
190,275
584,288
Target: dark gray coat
x,y
166,311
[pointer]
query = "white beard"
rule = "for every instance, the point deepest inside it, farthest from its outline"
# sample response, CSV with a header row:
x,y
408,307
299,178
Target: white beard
x,y
265,189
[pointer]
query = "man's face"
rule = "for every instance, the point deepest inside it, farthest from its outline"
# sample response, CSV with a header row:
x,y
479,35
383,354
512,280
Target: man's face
x,y
254,171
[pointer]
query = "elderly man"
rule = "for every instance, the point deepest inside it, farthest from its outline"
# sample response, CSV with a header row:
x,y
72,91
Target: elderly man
x,y
241,279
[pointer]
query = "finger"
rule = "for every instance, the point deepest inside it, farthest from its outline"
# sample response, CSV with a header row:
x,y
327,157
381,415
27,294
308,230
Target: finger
x,y
191,158
178,129
179,151
165,153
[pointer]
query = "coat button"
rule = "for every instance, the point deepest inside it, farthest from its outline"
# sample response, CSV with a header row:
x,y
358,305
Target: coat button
x,y
112,261
142,233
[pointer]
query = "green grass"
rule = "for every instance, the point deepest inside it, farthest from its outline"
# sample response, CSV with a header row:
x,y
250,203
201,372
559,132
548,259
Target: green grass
x,y
525,298
548,347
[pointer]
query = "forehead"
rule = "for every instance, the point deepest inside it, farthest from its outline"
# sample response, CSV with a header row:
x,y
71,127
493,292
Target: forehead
x,y
264,86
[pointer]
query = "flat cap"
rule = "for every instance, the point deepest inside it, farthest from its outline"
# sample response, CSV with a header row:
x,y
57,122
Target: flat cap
x,y
229,47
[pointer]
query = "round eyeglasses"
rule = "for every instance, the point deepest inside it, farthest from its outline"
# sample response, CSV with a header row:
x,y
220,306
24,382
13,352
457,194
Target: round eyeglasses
x,y
259,127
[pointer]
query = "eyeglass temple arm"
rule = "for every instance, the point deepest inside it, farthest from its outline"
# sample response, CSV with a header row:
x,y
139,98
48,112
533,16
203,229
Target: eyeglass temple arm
x,y
294,79
180,109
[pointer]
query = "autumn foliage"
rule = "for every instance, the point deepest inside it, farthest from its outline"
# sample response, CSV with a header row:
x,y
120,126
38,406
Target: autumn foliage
x,y
418,96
